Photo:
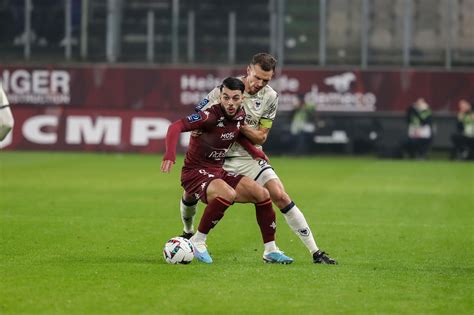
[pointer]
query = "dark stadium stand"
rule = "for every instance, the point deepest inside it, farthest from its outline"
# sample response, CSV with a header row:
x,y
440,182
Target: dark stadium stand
x,y
434,25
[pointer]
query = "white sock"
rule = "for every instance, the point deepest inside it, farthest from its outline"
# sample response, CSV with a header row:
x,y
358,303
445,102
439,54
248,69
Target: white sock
x,y
187,216
270,247
295,219
199,237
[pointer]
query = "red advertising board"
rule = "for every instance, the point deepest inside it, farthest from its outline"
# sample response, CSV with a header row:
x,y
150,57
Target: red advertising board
x,y
105,108
177,89
97,130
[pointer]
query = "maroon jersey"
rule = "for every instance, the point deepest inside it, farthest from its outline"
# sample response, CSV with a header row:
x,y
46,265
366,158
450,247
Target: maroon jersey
x,y
218,133
206,152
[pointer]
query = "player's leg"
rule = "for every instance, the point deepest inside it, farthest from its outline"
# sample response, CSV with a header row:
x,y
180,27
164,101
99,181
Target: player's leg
x,y
249,191
219,197
263,174
296,220
188,208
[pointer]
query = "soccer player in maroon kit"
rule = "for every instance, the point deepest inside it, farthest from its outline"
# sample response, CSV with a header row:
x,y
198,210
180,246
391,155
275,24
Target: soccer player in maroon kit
x,y
203,176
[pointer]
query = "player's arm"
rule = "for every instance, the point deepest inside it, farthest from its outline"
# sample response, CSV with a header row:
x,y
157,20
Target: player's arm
x,y
257,136
172,136
192,122
247,145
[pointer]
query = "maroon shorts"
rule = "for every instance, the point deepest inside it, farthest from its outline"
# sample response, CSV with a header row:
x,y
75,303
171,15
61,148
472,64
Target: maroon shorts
x,y
195,181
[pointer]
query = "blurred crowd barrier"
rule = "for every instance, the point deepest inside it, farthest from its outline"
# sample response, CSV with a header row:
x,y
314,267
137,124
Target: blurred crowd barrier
x,y
435,33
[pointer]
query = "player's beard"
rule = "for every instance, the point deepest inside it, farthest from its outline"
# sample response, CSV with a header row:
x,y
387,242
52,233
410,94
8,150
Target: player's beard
x,y
227,115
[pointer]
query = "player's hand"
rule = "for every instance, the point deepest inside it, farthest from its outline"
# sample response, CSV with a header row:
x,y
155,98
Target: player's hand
x,y
262,156
196,133
244,127
166,166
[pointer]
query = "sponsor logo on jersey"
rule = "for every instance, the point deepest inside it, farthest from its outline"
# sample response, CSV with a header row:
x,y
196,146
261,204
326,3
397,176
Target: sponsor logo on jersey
x,y
193,118
201,105
217,155
227,136
220,122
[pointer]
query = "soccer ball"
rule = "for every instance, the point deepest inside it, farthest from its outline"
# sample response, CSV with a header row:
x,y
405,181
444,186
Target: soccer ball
x,y
178,250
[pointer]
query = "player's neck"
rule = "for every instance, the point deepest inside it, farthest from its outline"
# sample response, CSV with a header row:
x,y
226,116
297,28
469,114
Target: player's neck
x,y
247,86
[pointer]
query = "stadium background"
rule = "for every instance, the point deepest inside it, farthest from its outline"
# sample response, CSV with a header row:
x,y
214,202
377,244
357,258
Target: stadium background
x,y
111,75
82,232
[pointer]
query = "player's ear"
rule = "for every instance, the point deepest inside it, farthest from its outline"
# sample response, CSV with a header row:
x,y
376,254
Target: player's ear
x,y
248,70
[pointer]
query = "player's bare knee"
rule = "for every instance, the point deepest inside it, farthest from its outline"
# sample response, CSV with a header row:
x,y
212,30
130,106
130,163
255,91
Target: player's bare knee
x,y
280,198
263,194
219,188
228,194
256,193
188,197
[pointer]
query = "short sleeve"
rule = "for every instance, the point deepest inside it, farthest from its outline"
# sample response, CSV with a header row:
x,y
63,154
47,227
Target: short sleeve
x,y
270,111
211,99
196,121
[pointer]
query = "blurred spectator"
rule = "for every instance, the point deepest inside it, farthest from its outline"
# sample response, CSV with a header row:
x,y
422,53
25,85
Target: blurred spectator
x,y
463,139
302,126
420,130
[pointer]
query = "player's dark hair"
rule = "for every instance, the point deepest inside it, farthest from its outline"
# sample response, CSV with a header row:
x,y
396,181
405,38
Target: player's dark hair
x,y
266,61
233,84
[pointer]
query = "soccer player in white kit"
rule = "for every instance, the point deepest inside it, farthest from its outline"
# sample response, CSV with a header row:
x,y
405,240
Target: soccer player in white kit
x,y
260,103
6,117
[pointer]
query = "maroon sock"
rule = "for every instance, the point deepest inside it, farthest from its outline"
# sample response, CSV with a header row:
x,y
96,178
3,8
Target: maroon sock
x,y
266,220
212,214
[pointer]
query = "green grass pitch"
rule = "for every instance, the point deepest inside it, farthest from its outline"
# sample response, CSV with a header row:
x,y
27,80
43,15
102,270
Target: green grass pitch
x,y
83,234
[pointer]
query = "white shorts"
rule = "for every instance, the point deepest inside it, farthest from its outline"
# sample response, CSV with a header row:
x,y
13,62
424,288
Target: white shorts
x,y
260,171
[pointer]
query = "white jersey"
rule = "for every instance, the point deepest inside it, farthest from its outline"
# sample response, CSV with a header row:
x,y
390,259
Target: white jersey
x,y
260,108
